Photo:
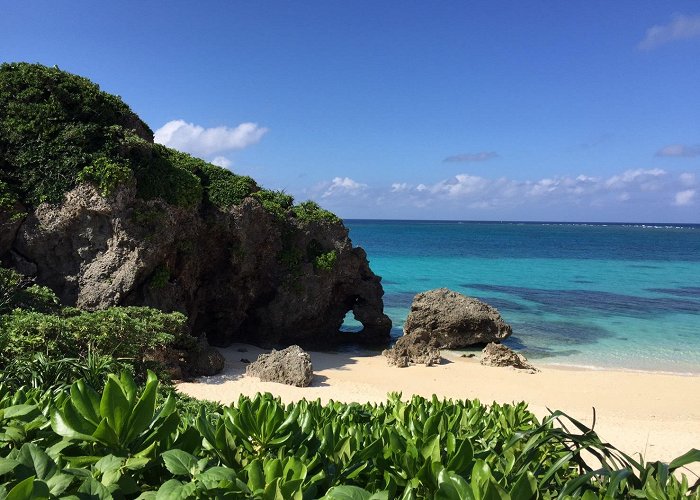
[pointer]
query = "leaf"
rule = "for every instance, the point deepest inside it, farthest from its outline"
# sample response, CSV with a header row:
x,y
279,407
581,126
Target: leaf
x,y
7,465
180,463
273,470
431,449
105,434
94,488
70,424
86,401
59,483
37,460
685,459
22,490
453,487
256,475
142,414
17,411
114,406
110,467
347,493
525,487
136,463
217,474
461,461
128,386
175,490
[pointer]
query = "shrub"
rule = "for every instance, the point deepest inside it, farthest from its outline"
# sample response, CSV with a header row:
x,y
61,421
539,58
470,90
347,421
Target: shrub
x,y
161,177
275,202
53,124
120,332
105,174
8,202
223,188
17,291
308,211
326,261
160,277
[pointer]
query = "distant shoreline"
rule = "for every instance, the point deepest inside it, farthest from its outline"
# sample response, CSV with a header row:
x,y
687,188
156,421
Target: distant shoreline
x,y
669,225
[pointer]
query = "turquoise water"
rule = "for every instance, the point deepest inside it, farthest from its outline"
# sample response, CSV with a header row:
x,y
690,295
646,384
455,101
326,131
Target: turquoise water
x,y
595,295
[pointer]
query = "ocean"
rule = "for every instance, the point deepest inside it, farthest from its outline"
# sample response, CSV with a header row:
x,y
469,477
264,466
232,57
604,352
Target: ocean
x,y
622,296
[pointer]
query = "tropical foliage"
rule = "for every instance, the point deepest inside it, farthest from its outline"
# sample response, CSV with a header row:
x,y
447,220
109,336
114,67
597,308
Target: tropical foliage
x,y
120,442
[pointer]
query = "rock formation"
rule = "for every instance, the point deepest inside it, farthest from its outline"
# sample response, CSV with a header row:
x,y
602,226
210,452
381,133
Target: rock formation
x,y
291,366
141,224
500,355
417,348
454,320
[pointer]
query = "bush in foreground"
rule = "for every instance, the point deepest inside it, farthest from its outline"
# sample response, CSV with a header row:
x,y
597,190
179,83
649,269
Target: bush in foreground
x,y
121,444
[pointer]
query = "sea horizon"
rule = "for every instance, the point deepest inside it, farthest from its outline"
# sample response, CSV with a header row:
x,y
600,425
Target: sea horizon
x,y
588,295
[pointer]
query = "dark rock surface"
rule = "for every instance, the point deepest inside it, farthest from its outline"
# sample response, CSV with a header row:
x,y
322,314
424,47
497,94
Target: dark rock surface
x,y
229,270
500,355
454,320
291,366
417,348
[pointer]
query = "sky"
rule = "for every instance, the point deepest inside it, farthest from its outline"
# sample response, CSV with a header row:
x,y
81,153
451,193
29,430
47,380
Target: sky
x,y
460,110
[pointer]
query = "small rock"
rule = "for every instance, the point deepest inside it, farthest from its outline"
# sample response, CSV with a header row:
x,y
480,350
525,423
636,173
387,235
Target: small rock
x,y
469,355
208,361
291,366
500,355
413,349
245,360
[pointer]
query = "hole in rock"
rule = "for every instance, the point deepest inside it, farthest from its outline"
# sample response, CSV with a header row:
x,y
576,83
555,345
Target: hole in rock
x,y
350,324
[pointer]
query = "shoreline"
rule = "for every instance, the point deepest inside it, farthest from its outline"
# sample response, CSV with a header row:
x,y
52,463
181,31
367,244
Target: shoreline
x,y
657,415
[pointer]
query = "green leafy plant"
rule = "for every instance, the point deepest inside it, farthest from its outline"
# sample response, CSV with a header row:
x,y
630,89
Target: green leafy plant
x,y
310,211
326,261
105,174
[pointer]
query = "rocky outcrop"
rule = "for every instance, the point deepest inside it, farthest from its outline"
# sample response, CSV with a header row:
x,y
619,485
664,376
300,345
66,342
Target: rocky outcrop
x,y
240,274
454,320
92,208
417,349
500,355
291,366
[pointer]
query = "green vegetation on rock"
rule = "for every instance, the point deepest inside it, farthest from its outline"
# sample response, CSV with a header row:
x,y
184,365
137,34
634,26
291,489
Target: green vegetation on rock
x,y
58,129
308,211
54,124
326,260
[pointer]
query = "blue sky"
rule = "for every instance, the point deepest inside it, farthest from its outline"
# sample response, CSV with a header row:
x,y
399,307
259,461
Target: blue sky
x,y
481,110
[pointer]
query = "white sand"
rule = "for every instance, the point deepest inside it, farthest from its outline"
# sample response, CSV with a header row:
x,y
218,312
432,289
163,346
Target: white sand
x,y
657,415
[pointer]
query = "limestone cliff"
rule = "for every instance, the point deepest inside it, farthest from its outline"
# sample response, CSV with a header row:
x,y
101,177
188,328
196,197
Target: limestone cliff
x,y
137,224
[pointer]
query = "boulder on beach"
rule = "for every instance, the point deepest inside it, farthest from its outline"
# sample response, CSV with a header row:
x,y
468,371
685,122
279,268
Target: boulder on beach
x,y
291,366
500,355
418,348
454,320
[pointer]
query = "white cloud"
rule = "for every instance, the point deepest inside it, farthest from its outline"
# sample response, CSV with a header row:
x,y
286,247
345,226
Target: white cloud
x,y
469,157
681,27
684,198
343,185
195,139
687,178
399,186
642,186
646,178
679,151
221,161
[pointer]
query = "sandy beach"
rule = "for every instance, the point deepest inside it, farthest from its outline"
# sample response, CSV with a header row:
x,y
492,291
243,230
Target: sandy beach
x,y
657,415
